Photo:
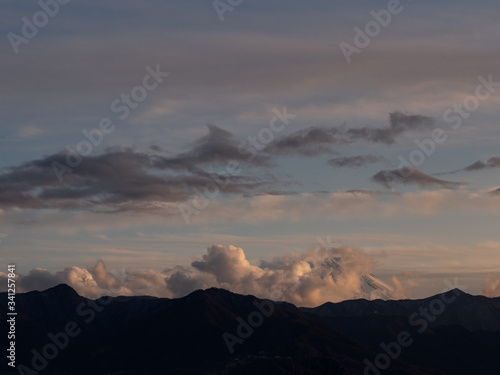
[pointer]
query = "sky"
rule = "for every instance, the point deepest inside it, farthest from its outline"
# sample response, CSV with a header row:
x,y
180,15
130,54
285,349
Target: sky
x,y
165,146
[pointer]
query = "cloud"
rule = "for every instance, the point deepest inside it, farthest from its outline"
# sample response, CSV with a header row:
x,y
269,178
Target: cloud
x,y
355,161
96,281
399,123
266,208
298,67
39,279
309,278
342,205
403,282
216,148
493,162
29,131
309,142
124,179
492,286
315,141
495,192
183,280
228,265
411,176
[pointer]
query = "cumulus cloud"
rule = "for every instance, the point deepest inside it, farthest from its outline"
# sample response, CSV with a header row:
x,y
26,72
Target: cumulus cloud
x,y
314,141
228,265
80,279
309,278
355,161
402,283
492,286
96,281
183,280
411,175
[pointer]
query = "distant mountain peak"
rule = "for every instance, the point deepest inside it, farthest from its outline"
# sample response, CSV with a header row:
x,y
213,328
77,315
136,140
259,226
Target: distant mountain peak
x,y
62,288
59,292
458,291
371,286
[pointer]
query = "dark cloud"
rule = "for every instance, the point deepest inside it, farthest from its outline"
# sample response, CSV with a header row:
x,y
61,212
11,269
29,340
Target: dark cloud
x,y
495,192
124,179
479,165
182,281
306,142
355,161
399,123
409,175
119,179
216,148
157,148
315,141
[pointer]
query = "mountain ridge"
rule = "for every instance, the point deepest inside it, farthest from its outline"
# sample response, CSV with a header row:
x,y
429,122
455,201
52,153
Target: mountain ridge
x,y
230,333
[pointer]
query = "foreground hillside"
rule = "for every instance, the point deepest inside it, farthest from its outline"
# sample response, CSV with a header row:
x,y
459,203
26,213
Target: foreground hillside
x,y
218,332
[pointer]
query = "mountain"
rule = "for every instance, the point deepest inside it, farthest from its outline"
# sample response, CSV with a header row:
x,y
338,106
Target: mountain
x,y
214,331
471,312
455,333
370,284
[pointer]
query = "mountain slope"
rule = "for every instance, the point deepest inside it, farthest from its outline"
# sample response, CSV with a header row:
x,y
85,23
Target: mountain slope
x,y
214,331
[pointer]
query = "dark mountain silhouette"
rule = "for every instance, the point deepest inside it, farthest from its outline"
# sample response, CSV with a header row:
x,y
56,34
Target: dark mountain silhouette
x,y
214,331
460,336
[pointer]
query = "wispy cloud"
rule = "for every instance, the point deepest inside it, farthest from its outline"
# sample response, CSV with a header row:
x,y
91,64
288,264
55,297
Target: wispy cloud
x,y
216,148
122,179
116,180
29,131
315,141
388,178
479,165
355,161
492,286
